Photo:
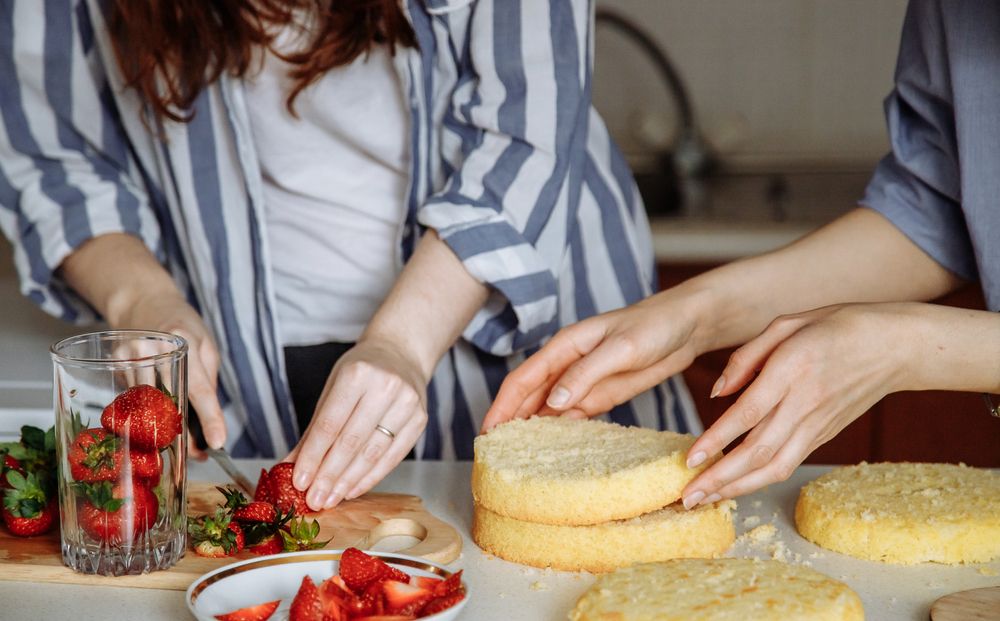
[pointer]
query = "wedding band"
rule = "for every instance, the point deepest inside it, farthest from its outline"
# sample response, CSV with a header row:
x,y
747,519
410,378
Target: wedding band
x,y
391,435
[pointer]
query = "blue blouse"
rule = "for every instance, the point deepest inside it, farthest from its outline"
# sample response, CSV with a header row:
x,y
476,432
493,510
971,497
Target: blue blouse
x,y
510,164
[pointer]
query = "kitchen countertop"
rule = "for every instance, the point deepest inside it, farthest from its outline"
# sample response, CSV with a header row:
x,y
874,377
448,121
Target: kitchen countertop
x,y
889,592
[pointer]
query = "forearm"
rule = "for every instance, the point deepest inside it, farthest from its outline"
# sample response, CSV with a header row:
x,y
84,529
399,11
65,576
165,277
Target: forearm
x,y
113,272
860,257
952,349
429,306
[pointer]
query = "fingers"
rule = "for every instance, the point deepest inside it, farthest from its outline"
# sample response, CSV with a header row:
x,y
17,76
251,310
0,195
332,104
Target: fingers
x,y
750,409
332,412
746,360
366,472
203,371
541,369
355,435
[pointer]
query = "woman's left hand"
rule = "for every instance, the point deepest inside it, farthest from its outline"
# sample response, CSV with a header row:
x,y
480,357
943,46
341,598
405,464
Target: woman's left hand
x,y
818,371
343,453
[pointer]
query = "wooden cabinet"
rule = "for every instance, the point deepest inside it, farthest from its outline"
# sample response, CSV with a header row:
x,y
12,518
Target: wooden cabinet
x,y
909,426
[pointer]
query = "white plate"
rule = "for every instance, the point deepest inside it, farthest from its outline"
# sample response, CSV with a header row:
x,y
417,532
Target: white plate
x,y
279,576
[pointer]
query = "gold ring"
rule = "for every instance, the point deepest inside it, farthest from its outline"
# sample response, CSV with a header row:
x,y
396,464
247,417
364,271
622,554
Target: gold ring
x,y
391,435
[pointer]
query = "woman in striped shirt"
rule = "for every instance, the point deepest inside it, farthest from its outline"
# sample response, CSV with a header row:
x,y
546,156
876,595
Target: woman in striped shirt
x,y
417,193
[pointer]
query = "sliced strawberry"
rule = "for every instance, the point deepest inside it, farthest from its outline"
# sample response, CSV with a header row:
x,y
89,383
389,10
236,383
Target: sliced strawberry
x,y
359,569
384,618
260,612
404,598
310,604
425,582
449,585
146,417
371,602
438,604
216,535
271,544
283,494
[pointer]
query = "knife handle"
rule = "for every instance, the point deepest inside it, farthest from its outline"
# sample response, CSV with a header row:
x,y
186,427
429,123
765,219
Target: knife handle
x,y
195,430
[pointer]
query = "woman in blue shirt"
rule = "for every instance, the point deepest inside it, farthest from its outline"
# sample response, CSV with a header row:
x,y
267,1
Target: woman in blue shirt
x,y
930,221
134,187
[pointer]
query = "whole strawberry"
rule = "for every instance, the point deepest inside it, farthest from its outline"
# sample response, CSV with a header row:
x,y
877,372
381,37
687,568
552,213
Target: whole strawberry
x,y
96,455
282,493
263,491
216,535
146,417
272,544
116,513
28,508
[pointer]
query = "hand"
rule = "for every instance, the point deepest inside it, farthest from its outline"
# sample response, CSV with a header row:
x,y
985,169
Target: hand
x,y
819,370
589,367
341,454
171,313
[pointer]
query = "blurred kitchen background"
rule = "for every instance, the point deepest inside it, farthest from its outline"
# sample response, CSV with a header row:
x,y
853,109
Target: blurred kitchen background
x,y
748,124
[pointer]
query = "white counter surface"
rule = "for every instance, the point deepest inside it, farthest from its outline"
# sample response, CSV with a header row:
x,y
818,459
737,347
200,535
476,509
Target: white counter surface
x,y
508,592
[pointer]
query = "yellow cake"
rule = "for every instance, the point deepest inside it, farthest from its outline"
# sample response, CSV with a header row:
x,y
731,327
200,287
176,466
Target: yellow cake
x,y
553,470
665,534
718,590
904,513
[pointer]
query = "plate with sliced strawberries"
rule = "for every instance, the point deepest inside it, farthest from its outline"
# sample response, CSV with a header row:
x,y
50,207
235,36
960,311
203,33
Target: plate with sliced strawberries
x,y
329,585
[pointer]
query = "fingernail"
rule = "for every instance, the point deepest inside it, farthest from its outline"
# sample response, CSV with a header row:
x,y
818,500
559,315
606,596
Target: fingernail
x,y
301,480
717,388
214,439
712,498
317,497
697,459
693,499
558,397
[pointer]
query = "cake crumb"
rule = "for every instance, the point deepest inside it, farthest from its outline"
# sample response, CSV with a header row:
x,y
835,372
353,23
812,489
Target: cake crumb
x,y
751,521
539,586
987,571
762,533
779,552
756,504
817,555
503,595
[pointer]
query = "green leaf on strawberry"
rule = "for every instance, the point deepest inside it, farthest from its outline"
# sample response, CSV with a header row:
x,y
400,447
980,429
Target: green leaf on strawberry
x,y
301,535
99,494
27,496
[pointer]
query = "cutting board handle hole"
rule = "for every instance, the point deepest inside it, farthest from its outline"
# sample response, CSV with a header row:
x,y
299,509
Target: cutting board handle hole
x,y
396,535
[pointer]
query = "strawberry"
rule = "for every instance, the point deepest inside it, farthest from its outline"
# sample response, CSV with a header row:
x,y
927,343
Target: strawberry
x,y
283,494
449,585
384,618
301,535
404,598
244,510
33,524
313,604
30,504
216,535
263,491
271,544
146,417
371,602
425,582
260,612
117,513
359,570
438,604
96,455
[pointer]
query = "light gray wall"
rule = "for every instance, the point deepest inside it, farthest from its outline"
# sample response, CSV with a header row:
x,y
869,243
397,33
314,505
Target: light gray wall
x,y
774,81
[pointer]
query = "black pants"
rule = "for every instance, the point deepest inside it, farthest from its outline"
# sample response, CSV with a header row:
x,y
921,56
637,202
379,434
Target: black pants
x,y
307,368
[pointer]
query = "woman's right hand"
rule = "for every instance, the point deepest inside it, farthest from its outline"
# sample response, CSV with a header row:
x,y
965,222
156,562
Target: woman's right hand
x,y
589,367
170,312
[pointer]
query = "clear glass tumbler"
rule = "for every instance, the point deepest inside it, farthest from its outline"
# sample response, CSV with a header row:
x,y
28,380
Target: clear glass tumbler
x,y
120,400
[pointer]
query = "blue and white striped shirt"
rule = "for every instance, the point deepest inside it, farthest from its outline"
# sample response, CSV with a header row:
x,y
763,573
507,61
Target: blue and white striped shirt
x,y
510,164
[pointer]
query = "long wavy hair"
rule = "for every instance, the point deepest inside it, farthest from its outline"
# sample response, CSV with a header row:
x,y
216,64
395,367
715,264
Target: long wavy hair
x,y
170,50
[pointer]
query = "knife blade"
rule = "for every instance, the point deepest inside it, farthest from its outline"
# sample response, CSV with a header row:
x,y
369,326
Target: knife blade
x,y
221,457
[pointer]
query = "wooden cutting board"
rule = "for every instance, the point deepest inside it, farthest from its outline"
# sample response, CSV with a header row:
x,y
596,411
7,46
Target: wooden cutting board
x,y
974,605
361,523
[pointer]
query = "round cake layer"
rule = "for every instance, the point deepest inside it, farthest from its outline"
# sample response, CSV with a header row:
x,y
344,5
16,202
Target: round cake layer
x,y
904,513
718,590
553,470
665,534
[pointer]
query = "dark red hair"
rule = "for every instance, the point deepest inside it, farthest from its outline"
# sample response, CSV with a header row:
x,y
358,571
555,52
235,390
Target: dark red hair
x,y
170,50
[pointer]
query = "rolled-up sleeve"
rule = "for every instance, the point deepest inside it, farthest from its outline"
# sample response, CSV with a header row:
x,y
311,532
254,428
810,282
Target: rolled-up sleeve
x,y
918,186
64,159
522,105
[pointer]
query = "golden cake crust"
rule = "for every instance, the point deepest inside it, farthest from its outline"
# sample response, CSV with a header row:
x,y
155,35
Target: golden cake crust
x,y
553,470
669,533
904,513
718,590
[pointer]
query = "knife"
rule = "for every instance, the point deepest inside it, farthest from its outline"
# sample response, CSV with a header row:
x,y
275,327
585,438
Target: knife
x,y
221,457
